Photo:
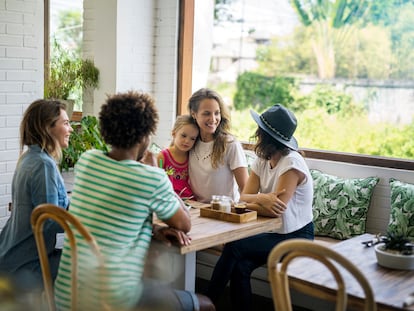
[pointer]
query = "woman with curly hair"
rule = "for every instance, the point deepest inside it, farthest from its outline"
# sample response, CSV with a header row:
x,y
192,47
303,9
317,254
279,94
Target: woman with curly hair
x,y
217,163
115,195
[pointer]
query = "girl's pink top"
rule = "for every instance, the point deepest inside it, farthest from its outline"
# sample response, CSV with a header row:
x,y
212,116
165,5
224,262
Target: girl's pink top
x,y
178,174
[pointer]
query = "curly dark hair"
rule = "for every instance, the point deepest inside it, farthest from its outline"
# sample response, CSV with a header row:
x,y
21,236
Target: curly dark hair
x,y
266,145
127,118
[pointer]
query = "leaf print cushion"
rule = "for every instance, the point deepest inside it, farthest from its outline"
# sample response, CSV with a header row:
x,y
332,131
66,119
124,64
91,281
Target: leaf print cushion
x,y
402,208
340,205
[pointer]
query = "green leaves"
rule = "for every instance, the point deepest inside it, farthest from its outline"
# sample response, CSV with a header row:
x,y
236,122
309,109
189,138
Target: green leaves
x,y
260,92
85,136
69,73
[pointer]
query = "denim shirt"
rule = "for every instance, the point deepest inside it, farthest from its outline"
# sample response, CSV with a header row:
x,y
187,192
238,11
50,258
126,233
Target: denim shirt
x,y
36,180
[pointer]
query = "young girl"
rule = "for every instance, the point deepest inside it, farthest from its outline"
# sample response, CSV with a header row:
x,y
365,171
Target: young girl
x,y
174,159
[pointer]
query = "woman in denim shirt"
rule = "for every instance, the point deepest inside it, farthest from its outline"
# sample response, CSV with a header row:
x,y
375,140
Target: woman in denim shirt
x,y
45,130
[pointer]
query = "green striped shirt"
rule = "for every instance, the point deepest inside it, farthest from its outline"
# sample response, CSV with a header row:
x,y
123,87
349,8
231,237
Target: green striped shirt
x,y
115,201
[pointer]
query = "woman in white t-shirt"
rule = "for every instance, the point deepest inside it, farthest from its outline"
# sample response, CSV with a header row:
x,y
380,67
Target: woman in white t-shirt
x,y
279,185
217,164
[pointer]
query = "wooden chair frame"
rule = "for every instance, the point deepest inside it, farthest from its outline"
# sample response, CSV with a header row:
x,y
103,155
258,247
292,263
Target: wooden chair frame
x,y
283,253
66,220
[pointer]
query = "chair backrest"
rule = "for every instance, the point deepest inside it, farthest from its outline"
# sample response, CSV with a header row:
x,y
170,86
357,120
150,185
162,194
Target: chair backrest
x,y
68,222
283,254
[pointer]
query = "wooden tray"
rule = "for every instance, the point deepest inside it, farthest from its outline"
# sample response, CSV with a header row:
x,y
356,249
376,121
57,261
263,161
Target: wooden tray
x,y
196,204
231,217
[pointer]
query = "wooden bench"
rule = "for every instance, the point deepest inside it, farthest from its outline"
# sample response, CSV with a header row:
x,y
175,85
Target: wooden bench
x,y
377,218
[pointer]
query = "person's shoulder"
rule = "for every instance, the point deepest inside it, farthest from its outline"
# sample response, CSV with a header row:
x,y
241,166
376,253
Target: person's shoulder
x,y
233,141
151,170
231,138
92,154
295,158
295,155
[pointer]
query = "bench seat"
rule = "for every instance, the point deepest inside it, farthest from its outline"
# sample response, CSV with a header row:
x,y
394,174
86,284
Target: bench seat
x,y
377,217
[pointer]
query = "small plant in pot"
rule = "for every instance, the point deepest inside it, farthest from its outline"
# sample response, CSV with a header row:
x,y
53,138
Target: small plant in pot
x,y
69,75
85,136
395,251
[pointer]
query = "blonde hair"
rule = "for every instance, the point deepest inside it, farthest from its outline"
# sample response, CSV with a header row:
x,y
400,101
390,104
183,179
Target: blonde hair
x,y
222,134
181,121
38,119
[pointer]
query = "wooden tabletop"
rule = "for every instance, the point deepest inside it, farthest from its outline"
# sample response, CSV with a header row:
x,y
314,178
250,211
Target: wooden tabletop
x,y
206,232
390,286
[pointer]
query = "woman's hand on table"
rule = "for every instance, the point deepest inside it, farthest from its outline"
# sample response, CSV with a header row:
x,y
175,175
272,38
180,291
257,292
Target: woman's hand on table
x,y
168,235
270,204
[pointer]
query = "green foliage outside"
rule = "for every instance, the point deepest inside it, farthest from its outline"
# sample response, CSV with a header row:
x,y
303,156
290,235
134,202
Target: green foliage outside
x,y
318,129
69,30
85,136
338,39
328,119
257,91
345,39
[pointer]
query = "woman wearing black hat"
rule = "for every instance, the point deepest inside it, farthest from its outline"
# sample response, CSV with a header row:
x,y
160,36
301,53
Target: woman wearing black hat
x,y
280,185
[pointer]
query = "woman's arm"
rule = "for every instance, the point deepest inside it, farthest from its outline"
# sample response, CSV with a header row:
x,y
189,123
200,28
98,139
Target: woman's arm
x,y
272,204
181,219
241,176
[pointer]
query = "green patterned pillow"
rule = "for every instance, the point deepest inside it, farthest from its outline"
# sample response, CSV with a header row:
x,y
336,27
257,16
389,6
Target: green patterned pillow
x,y
402,208
340,205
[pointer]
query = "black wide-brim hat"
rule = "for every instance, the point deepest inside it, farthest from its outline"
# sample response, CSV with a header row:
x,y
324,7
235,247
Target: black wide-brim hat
x,y
280,123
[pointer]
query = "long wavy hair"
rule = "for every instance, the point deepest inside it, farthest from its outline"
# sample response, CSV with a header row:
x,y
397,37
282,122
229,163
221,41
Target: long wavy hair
x,y
35,129
222,134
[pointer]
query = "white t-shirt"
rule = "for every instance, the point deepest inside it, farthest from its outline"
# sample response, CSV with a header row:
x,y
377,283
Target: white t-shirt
x,y
206,181
299,208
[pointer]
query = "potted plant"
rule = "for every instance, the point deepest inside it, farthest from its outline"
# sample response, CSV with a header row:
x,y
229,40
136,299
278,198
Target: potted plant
x,y
85,136
395,251
68,74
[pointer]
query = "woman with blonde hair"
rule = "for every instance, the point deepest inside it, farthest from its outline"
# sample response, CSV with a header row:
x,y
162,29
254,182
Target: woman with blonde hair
x,y
217,163
44,130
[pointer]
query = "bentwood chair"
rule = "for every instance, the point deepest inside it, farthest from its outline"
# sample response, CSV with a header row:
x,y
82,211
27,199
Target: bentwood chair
x,y
69,223
283,254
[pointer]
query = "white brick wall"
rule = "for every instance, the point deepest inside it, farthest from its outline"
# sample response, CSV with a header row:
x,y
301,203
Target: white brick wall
x,y
21,81
165,67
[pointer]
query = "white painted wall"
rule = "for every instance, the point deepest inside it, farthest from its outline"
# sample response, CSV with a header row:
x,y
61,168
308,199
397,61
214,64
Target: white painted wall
x,y
135,46
21,81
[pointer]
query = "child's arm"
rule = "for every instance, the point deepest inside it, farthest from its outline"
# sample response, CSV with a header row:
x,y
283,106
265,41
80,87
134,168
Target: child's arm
x,y
160,160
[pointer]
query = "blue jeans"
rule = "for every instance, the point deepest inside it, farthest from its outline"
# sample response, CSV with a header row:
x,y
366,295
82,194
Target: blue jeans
x,y
240,258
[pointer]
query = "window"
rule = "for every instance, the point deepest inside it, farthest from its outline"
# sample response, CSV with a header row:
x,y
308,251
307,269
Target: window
x,y
350,86
64,50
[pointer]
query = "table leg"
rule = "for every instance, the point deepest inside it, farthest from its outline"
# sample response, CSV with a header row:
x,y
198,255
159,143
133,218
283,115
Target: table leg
x,y
187,265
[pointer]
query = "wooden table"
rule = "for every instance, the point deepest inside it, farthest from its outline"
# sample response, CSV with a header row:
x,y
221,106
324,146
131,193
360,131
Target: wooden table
x,y
390,286
207,232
